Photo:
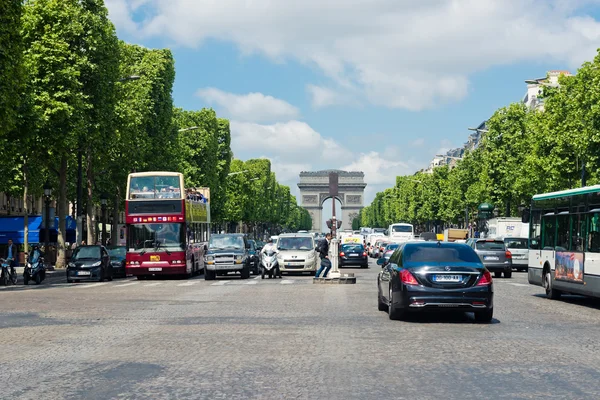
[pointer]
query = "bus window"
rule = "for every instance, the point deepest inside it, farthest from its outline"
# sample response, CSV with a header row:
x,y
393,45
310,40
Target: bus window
x,y
548,232
563,232
593,242
535,234
578,232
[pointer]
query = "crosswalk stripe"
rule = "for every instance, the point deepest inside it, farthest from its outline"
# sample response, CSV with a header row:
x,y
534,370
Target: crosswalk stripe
x,y
91,285
252,282
127,284
220,283
188,283
287,282
519,284
257,277
153,284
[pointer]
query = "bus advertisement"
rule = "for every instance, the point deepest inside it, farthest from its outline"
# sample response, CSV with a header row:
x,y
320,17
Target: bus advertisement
x,y
167,226
564,242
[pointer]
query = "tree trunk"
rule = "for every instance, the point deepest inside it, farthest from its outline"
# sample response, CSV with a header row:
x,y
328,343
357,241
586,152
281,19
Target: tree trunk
x,y
91,229
62,201
25,208
114,231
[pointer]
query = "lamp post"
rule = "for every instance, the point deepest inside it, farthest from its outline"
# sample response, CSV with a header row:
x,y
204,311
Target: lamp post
x,y
103,201
47,195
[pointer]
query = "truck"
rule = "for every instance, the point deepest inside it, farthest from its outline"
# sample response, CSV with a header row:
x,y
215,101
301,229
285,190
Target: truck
x,y
503,227
453,234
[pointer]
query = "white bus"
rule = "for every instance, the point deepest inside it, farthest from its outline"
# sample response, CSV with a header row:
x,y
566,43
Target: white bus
x,y
564,242
401,232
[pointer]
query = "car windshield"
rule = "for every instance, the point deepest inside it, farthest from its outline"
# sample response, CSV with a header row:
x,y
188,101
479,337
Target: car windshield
x,y
402,229
440,254
516,243
117,252
220,242
353,248
87,253
490,245
156,237
295,243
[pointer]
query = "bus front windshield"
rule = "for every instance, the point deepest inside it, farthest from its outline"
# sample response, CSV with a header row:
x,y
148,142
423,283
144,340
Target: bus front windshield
x,y
154,187
402,229
156,237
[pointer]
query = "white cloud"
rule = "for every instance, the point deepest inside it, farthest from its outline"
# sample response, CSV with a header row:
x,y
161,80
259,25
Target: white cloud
x,y
324,97
252,107
418,142
396,53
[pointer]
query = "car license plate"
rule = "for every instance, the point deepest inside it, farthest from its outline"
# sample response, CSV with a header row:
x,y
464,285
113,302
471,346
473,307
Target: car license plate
x,y
154,258
154,269
447,278
82,273
353,255
491,258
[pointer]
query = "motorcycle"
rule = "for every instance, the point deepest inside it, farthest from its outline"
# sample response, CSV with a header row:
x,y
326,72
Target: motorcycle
x,y
35,269
6,276
269,265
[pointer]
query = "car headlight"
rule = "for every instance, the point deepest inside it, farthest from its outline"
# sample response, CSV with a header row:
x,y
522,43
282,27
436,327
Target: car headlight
x,y
97,264
210,258
239,258
71,265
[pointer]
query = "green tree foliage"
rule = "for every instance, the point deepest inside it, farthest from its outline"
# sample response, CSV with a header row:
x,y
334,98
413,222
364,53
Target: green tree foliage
x,y
10,64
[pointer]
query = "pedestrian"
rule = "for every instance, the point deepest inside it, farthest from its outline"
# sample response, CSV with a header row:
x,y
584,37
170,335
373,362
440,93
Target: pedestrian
x,y
11,255
324,254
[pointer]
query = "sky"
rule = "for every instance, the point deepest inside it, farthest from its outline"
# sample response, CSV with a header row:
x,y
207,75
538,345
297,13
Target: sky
x,y
379,86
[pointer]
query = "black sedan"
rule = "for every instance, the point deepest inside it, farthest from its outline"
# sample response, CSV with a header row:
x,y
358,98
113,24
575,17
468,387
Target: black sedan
x,y
117,259
435,276
353,254
89,263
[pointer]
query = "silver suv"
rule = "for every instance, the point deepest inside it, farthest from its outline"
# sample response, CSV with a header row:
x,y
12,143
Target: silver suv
x,y
494,255
518,247
296,253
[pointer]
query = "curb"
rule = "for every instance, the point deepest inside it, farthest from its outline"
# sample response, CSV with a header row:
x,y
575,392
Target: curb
x,y
346,279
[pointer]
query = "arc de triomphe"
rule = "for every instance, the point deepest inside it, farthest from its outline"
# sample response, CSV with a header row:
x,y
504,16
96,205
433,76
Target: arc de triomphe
x,y
314,190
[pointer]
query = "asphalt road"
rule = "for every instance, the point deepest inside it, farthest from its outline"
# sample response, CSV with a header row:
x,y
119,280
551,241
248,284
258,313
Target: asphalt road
x,y
288,339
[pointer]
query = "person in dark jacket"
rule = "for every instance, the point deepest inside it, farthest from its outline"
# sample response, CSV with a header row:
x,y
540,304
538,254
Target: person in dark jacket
x,y
11,255
324,254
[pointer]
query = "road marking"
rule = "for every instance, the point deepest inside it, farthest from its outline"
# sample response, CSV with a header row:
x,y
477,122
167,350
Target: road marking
x,y
518,284
252,282
91,285
188,283
287,282
127,284
220,283
257,277
153,284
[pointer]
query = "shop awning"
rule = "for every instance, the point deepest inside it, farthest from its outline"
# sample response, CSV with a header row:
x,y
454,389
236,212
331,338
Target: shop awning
x,y
13,228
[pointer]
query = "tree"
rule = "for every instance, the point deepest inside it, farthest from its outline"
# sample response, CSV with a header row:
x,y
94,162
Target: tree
x,y
224,157
11,72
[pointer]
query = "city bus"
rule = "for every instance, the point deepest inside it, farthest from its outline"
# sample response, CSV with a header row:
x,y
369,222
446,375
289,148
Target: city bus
x,y
167,226
564,242
401,232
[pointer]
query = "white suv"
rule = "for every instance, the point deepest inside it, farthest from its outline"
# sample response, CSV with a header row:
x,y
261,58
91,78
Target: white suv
x,y
296,253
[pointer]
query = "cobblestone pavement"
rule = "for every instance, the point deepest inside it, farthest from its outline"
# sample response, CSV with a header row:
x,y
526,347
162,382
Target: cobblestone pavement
x,y
288,339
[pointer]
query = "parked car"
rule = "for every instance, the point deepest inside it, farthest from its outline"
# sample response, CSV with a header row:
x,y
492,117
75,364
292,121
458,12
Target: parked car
x,y
422,276
227,253
353,254
117,259
494,255
296,253
89,263
518,247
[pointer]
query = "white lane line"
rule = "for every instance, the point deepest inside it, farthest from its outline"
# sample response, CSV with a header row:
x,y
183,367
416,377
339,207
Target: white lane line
x,y
518,284
257,277
287,282
153,284
127,284
252,282
188,283
220,283
93,285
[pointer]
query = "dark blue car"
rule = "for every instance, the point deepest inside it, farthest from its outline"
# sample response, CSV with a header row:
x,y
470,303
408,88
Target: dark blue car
x,y
423,276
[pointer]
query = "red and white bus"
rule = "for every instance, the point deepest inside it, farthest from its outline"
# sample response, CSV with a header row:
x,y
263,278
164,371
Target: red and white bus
x,y
167,226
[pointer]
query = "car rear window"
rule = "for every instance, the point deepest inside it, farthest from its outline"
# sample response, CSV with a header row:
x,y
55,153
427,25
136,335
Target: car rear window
x,y
516,243
490,245
353,247
440,254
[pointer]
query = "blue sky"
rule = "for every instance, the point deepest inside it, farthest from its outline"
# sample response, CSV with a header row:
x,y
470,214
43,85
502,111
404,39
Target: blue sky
x,y
379,86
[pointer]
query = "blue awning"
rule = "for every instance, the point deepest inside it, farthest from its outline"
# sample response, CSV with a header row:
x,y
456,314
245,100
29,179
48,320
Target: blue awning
x,y
13,228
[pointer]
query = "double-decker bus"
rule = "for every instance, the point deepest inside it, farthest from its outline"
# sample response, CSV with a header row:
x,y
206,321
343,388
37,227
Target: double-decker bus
x,y
167,226
564,242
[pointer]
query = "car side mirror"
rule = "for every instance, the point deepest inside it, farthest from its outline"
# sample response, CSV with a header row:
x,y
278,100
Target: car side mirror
x,y
381,261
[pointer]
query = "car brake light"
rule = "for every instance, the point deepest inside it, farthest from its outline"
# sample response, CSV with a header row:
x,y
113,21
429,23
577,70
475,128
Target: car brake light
x,y
508,254
407,278
364,253
486,278
342,254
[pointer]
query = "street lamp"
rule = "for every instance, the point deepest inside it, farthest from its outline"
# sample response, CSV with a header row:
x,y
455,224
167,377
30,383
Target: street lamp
x,y
191,128
129,78
478,130
237,173
47,195
103,200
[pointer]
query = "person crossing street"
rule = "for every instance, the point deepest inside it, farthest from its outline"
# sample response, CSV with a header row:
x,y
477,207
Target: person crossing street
x,y
324,255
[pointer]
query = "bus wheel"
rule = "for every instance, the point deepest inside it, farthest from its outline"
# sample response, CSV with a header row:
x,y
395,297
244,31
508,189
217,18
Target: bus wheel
x,y
551,293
